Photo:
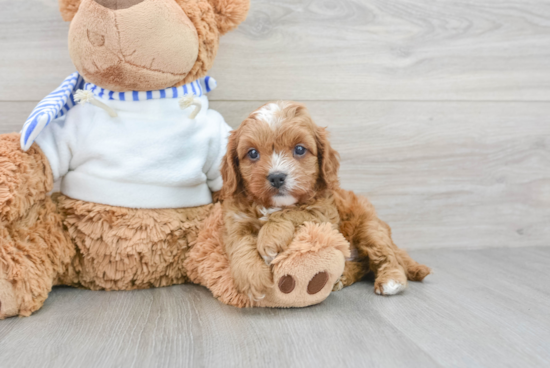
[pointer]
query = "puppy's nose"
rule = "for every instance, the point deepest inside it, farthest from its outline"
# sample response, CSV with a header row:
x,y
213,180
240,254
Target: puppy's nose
x,y
277,179
118,4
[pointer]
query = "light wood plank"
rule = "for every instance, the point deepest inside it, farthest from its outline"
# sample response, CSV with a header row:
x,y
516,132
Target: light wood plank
x,y
442,174
468,313
332,49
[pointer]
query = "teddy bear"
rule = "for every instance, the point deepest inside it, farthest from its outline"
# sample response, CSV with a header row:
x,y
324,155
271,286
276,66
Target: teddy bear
x,y
138,153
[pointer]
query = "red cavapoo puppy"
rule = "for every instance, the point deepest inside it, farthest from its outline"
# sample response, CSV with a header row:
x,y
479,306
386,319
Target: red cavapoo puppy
x,y
281,169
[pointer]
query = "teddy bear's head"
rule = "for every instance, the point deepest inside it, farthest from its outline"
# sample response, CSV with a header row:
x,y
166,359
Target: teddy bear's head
x,y
143,45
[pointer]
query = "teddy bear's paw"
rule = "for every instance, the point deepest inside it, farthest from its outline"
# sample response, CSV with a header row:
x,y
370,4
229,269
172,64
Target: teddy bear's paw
x,y
306,272
8,302
306,279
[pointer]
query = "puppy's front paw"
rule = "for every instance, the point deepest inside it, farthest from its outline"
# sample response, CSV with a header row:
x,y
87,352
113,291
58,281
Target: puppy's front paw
x,y
390,287
273,239
268,250
254,282
339,285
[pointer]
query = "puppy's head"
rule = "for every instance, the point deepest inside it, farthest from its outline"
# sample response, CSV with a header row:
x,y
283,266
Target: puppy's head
x,y
279,157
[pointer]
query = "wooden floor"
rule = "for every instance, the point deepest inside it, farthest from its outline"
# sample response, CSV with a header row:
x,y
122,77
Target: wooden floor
x,y
481,308
441,113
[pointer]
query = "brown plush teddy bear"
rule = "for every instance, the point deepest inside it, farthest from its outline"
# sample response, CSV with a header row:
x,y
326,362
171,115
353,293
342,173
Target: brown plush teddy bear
x,y
138,152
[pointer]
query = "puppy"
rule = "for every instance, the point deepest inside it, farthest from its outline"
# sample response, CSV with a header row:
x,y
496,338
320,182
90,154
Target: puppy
x,y
281,171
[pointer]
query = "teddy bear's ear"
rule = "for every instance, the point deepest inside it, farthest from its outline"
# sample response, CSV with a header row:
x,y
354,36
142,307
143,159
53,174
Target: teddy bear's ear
x,y
230,13
68,9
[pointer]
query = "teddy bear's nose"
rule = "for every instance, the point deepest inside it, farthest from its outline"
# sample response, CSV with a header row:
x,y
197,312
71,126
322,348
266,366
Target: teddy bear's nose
x,y
118,4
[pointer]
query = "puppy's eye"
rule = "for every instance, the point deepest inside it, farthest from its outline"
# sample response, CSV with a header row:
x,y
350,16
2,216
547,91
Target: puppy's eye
x,y
300,150
253,154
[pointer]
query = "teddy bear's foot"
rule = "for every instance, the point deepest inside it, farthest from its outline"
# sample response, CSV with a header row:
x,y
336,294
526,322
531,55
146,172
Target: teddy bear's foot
x,y
8,302
307,271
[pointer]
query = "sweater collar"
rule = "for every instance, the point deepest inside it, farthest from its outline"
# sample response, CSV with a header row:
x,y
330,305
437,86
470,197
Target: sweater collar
x,y
61,100
196,88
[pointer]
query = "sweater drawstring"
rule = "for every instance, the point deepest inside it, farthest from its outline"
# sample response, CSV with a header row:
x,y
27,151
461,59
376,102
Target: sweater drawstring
x,y
185,102
83,97
188,101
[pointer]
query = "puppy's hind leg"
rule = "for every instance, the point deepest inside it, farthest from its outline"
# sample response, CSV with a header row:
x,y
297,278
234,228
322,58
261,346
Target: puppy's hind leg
x,y
372,237
390,276
414,270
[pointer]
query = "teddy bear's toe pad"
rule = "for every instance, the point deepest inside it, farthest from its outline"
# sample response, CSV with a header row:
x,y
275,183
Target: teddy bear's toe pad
x,y
287,284
317,283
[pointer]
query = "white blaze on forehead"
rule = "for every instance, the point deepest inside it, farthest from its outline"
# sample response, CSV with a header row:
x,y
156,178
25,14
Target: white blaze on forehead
x,y
272,114
281,163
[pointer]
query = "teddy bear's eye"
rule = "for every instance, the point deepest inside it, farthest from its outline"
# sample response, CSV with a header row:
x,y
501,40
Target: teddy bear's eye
x,y
253,154
299,150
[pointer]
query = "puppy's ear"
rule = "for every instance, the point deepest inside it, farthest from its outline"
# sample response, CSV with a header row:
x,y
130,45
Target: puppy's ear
x,y
68,9
231,175
230,13
329,161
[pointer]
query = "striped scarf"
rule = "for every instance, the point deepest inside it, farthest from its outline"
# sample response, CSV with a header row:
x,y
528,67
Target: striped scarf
x,y
61,100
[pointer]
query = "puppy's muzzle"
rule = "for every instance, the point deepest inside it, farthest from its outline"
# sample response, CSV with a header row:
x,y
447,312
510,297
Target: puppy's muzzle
x,y
277,179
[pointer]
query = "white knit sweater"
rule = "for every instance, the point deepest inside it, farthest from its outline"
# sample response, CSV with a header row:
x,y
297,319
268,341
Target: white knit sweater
x,y
152,155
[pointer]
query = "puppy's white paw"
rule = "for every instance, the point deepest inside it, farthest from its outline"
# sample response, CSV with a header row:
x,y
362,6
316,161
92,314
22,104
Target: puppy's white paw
x,y
269,258
339,285
390,288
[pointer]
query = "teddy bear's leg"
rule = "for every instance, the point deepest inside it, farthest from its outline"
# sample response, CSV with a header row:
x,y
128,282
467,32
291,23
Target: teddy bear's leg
x,y
34,251
303,275
120,248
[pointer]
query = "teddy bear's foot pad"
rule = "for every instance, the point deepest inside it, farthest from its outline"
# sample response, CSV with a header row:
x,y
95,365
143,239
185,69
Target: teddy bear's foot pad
x,y
306,273
316,284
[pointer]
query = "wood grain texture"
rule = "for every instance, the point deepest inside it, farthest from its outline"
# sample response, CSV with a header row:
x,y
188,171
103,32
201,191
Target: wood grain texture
x,y
473,312
453,174
329,49
386,78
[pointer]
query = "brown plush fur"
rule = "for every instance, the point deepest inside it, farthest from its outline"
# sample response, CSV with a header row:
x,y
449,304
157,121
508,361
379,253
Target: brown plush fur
x,y
20,188
311,193
47,241
314,248
109,51
125,248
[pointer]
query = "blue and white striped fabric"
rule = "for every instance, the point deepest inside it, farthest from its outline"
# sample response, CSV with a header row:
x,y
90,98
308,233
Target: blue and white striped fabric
x,y
54,106
197,88
60,101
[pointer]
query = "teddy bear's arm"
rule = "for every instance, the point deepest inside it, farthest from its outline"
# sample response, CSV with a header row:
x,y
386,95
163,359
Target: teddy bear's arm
x,y
217,149
25,177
